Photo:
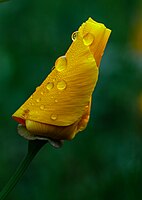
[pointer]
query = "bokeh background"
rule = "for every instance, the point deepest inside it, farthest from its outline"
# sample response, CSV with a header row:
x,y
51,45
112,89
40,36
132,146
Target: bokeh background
x,y
105,161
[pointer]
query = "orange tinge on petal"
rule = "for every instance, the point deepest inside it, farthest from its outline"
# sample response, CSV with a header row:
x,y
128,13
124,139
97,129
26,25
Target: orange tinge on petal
x,y
60,106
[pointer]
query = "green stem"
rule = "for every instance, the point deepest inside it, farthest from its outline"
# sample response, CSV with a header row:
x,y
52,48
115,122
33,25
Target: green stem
x,y
33,149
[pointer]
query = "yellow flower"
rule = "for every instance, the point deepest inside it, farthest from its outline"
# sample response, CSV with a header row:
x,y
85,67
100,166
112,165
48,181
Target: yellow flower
x,y
60,106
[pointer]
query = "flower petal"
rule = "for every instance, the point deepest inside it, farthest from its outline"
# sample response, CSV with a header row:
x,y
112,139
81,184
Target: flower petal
x,y
62,98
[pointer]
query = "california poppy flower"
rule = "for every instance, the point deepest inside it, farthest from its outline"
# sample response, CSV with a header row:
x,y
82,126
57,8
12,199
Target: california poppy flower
x,y
60,106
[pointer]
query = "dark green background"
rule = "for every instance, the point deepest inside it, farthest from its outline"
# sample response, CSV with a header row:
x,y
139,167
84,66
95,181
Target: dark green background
x,y
104,162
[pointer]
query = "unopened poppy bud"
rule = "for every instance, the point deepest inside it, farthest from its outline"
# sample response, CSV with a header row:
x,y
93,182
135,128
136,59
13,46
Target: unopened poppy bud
x,y
60,106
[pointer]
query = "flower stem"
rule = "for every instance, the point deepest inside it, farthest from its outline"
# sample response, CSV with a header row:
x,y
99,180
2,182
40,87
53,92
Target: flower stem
x,y
33,148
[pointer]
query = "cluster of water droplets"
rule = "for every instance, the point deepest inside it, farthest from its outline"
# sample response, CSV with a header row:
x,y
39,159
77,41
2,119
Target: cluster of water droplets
x,y
87,38
60,66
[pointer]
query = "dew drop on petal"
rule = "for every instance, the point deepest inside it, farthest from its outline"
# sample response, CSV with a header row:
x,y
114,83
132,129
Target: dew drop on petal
x,y
49,85
74,35
25,113
86,107
38,100
88,39
42,107
61,85
61,63
52,68
53,116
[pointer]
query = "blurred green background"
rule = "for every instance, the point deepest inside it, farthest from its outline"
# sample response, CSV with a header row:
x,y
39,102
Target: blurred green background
x,y
105,161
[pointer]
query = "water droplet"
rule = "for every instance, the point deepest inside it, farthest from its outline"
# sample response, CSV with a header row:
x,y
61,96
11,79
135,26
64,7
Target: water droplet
x,y
49,85
41,93
87,106
61,63
42,107
38,100
61,85
52,68
74,35
56,100
88,39
53,116
25,113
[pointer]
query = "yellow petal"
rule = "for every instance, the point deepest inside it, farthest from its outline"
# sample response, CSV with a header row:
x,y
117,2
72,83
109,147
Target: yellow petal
x,y
100,34
52,131
62,99
61,107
